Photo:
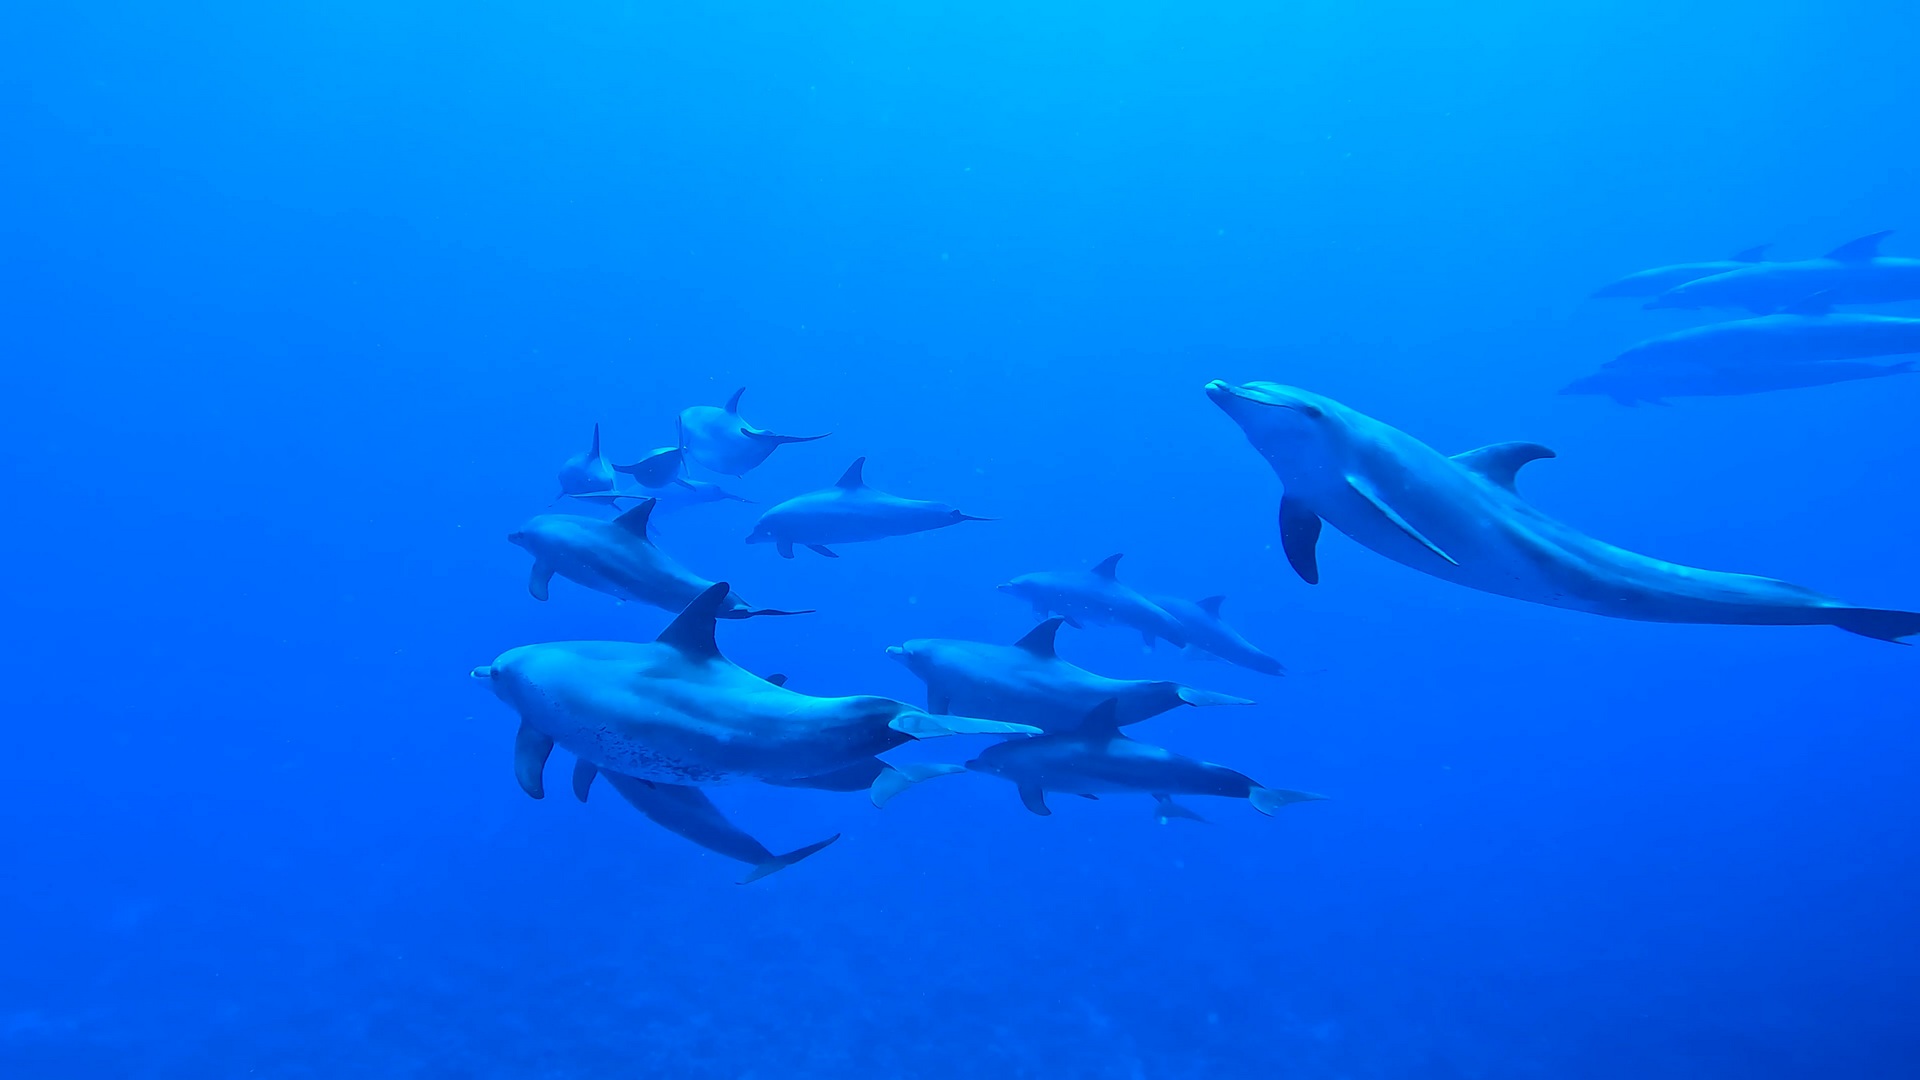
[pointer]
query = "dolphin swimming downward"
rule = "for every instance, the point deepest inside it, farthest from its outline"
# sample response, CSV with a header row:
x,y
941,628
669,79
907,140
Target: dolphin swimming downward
x,y
1460,519
718,438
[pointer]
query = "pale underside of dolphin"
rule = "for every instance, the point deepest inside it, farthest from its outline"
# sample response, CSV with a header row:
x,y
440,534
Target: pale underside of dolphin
x,y
718,438
851,511
1096,597
1028,683
1853,273
1462,520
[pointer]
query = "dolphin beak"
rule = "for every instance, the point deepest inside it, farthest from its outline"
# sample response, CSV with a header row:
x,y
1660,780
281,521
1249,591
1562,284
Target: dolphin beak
x,y
482,672
1219,390
898,652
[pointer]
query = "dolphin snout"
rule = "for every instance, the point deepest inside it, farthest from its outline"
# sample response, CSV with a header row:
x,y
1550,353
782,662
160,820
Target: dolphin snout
x,y
483,672
898,652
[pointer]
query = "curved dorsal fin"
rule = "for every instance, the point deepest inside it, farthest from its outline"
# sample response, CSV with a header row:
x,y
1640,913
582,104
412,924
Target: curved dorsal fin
x,y
1040,640
1107,567
594,450
1757,253
635,520
852,478
1501,461
691,632
1861,249
1211,605
733,403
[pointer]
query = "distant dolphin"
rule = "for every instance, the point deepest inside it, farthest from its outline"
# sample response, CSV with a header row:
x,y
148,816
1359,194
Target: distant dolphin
x,y
676,711
1460,519
688,812
849,512
1028,683
658,469
1209,633
1631,386
686,492
1096,598
720,440
617,558
1805,333
1853,273
586,473
1094,758
1661,278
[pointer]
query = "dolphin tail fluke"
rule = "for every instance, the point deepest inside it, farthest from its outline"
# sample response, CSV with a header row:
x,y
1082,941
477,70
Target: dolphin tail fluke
x,y
1877,623
1165,810
781,862
1269,800
894,779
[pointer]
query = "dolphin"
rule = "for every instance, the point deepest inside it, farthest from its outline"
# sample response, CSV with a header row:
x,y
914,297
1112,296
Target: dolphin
x,y
1028,683
686,492
617,558
1653,282
1096,759
658,469
587,473
1096,598
719,439
1460,519
1207,632
675,711
849,512
1853,273
1805,333
688,812
1631,386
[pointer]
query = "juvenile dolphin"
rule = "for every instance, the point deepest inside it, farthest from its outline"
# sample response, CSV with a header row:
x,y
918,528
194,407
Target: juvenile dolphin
x,y
1028,683
1095,759
617,558
688,812
1661,278
674,710
1631,386
1209,633
1460,519
1806,333
587,473
1096,598
721,440
849,512
658,469
1853,273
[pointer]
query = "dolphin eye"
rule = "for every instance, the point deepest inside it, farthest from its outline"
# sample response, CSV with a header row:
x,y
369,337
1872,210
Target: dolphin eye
x,y
1312,412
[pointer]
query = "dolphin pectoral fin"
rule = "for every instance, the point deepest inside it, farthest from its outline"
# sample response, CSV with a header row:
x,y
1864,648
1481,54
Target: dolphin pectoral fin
x,y
1269,800
530,749
784,547
1365,489
540,580
939,703
583,774
894,779
1299,535
1165,810
781,862
822,550
1035,800
1876,623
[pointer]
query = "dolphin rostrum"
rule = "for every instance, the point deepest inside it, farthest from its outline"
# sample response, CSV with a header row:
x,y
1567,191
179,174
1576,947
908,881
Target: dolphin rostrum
x,y
717,438
1631,386
617,558
1096,598
587,473
674,710
1095,759
849,512
1853,273
1209,633
688,812
1460,519
1653,282
1028,683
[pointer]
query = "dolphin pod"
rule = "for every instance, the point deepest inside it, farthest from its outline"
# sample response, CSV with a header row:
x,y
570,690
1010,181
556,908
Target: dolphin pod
x,y
1650,283
1461,519
1853,273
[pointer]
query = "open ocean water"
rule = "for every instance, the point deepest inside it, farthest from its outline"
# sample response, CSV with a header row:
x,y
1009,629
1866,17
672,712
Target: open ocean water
x,y
302,307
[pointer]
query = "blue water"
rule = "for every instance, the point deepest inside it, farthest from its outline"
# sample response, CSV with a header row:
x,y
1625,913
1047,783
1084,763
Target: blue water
x,y
303,306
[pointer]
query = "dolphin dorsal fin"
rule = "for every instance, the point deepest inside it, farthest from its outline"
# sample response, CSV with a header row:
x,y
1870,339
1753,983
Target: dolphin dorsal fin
x,y
1108,567
1820,303
1103,720
852,478
691,632
777,680
635,520
1862,249
733,403
1040,640
594,450
1211,605
1501,461
1757,253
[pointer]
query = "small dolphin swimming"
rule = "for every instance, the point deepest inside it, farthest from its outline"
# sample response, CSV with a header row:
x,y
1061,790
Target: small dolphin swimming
x,y
587,473
1028,683
719,439
1460,519
849,512
688,812
1853,273
1096,598
1653,282
1806,333
1207,632
1632,386
1093,758
617,558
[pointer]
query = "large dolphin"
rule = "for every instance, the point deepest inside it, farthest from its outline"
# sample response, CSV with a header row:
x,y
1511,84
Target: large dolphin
x,y
1807,333
1633,385
849,512
1460,519
721,440
675,711
1028,683
587,473
617,558
1095,759
1209,633
1853,273
1653,282
688,812
1096,598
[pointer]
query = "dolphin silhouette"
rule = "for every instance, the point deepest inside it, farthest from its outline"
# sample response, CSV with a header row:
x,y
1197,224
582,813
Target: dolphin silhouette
x,y
688,812
587,473
1209,633
1096,598
1646,283
1853,273
719,439
1804,334
658,469
1631,386
846,513
1460,519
